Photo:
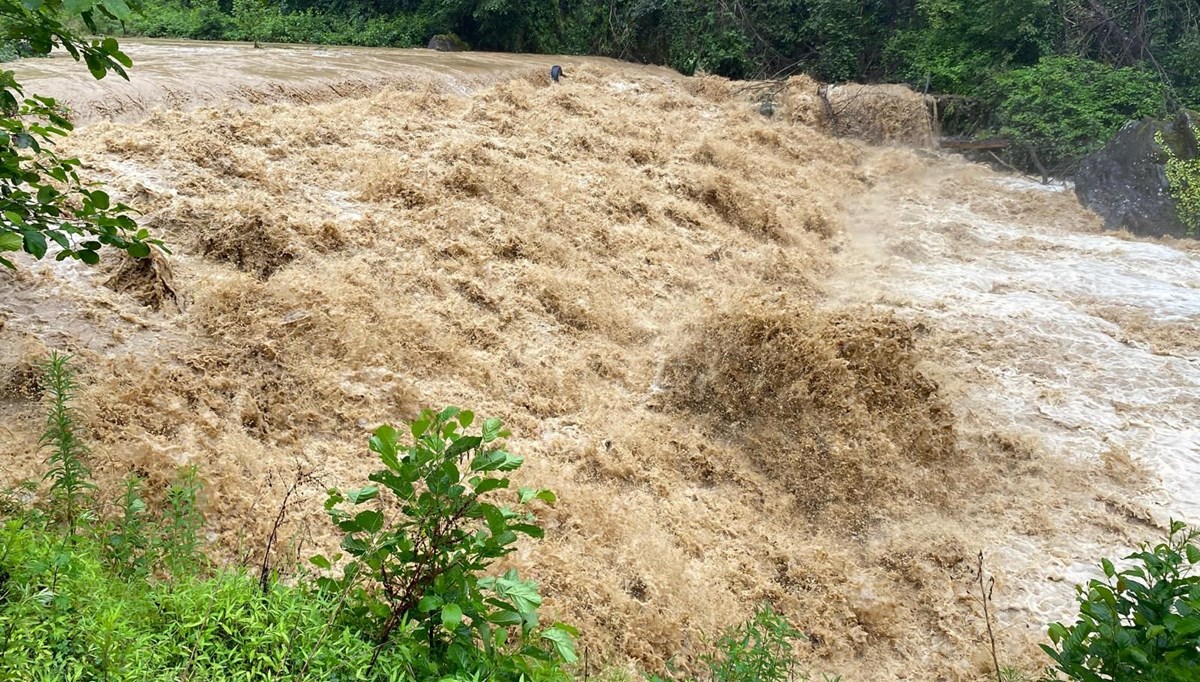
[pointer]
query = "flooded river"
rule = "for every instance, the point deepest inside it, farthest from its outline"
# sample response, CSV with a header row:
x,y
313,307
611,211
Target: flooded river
x,y
358,232
179,74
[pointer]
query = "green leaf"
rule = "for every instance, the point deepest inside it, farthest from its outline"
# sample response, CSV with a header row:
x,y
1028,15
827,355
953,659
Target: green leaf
x,y
121,56
321,562
429,602
139,250
511,462
532,530
462,445
369,521
452,616
77,6
564,643
419,427
466,418
10,241
491,429
504,617
383,442
24,140
362,494
35,243
95,65
1108,568
526,495
1193,554
100,200
489,484
354,546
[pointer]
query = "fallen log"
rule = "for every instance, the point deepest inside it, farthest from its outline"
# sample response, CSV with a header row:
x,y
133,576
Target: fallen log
x,y
957,143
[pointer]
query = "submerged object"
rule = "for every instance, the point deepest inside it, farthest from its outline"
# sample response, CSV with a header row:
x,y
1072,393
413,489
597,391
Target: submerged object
x,y
555,73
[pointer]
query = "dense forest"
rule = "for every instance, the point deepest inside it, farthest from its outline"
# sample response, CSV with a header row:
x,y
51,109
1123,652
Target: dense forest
x,y
1059,76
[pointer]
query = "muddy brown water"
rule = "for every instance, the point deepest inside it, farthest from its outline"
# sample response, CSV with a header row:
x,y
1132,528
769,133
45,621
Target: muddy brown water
x,y
542,253
175,74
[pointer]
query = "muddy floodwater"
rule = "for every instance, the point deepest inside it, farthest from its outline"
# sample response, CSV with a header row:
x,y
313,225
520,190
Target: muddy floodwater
x,y
176,74
755,361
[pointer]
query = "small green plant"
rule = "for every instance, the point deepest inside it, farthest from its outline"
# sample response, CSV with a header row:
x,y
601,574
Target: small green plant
x,y
1141,624
423,571
1183,179
128,540
250,17
182,521
758,650
69,475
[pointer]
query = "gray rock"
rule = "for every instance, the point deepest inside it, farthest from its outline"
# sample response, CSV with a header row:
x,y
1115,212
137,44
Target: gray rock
x,y
1126,181
448,42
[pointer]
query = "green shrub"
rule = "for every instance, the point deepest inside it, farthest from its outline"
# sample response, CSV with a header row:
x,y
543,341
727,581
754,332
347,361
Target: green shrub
x,y
1064,108
1183,178
68,473
96,624
421,573
1141,624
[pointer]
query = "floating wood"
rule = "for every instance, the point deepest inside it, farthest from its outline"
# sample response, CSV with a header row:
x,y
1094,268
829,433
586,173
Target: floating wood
x,y
956,143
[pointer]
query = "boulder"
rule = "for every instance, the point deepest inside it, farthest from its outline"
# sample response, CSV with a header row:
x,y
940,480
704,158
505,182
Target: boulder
x,y
1126,181
448,42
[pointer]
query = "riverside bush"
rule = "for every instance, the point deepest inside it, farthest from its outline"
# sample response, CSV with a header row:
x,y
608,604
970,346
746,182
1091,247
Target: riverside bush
x,y
421,573
1141,624
132,597
1183,179
1063,108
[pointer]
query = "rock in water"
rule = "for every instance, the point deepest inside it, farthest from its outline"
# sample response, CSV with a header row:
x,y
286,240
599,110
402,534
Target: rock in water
x,y
448,42
1126,181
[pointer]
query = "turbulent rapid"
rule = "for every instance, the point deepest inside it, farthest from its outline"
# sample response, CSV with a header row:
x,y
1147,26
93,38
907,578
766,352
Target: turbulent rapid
x,y
756,362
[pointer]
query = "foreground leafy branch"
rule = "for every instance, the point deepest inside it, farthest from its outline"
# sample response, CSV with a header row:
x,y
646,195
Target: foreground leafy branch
x,y
1141,623
42,198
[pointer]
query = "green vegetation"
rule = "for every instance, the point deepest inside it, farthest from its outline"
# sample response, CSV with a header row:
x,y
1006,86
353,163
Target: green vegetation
x,y
1063,108
1139,624
42,198
1183,177
128,595
424,575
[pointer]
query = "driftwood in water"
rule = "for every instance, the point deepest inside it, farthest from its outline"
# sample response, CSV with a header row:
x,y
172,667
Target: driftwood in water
x,y
961,143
